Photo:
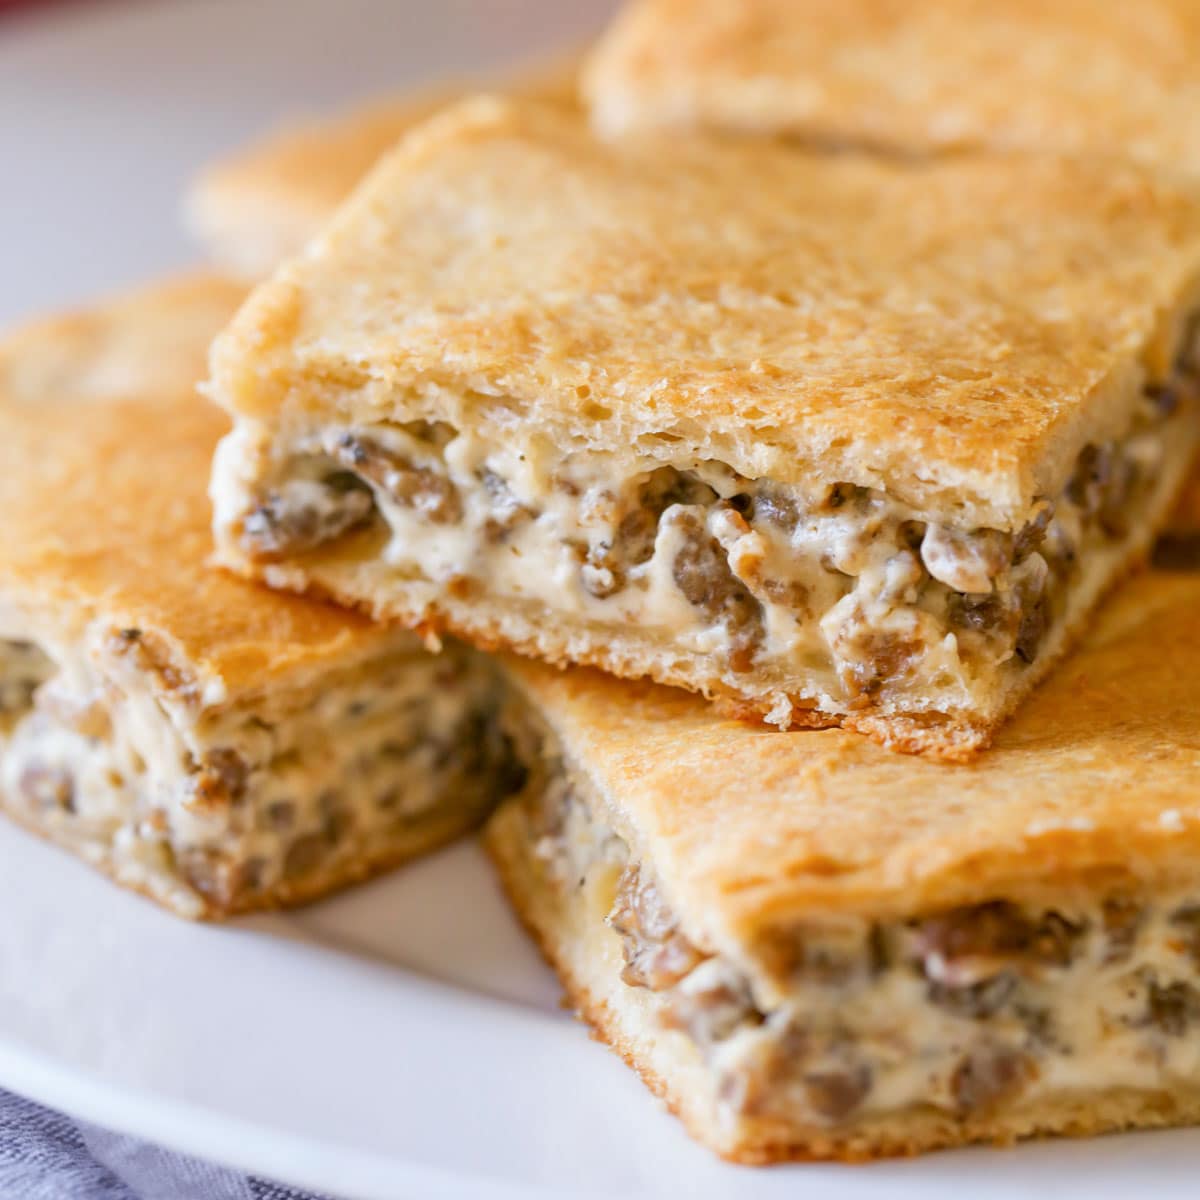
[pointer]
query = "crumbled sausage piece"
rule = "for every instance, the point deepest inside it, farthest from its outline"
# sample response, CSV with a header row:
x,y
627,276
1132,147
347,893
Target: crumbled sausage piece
x,y
842,494
701,572
774,506
1039,1023
834,1095
1000,930
438,434
657,953
1101,485
1122,922
966,562
478,748
421,488
231,769
1031,630
610,560
992,613
989,1076
1033,533
711,1004
1171,1007
1059,552
152,654
791,593
303,514
507,511
1017,616
304,855
1187,921
868,656
1184,379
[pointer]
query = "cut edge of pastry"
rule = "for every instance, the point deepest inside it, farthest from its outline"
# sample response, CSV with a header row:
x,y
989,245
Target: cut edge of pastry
x,y
560,640
214,808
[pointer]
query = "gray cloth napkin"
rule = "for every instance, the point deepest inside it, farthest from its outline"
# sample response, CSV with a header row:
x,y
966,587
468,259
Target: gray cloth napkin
x,y
47,1156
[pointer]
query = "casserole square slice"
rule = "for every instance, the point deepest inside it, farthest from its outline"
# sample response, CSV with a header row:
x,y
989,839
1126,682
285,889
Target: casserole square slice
x,y
200,739
813,948
856,442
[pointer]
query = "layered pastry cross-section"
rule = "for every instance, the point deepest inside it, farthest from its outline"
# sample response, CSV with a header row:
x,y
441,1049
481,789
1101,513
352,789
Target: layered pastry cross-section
x,y
834,440
200,739
911,77
262,204
813,948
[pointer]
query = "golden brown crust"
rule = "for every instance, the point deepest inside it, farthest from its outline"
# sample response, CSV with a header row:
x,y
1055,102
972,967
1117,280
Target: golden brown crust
x,y
103,511
843,319
262,204
911,75
667,1065
1093,779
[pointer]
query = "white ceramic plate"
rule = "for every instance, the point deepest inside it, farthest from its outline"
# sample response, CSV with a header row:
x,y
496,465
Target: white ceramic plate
x,y
403,1040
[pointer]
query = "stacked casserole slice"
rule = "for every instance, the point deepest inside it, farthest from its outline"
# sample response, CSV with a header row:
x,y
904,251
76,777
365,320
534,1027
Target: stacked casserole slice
x,y
606,407
201,740
811,946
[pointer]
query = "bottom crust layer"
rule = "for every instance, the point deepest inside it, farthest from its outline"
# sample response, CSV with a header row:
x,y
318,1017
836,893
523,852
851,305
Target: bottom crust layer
x,y
586,955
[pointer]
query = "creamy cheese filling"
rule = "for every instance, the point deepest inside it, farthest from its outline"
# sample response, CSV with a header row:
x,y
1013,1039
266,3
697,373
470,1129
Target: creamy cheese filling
x,y
229,804
845,597
847,1018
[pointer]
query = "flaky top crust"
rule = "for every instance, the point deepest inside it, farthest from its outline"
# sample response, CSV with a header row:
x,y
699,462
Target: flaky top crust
x,y
267,200
103,511
954,333
912,75
1096,780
